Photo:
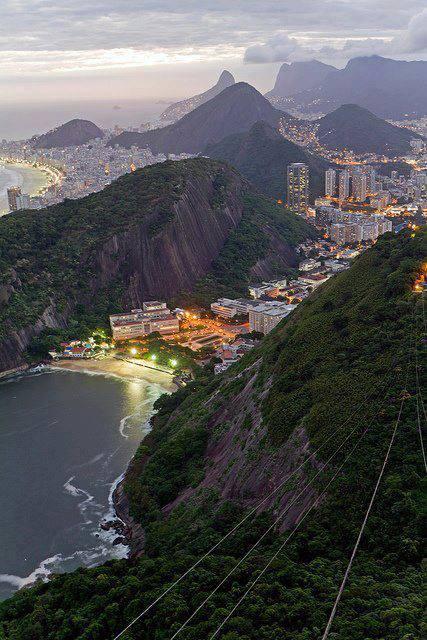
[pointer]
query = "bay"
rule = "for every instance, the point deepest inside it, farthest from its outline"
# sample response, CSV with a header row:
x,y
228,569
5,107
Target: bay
x,y
65,440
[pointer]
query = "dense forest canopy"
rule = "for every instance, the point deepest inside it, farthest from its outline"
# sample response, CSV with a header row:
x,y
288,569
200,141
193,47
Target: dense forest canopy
x,y
333,376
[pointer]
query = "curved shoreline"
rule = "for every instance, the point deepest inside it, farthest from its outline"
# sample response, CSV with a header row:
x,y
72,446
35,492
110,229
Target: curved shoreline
x,y
115,528
123,368
32,178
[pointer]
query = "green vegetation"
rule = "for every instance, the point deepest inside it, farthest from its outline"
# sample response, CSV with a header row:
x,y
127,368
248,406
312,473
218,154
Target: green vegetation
x,y
353,127
352,340
74,262
230,273
262,155
50,256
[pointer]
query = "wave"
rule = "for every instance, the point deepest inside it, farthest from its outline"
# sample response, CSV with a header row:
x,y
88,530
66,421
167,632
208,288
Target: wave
x,y
60,564
85,505
34,372
106,374
8,179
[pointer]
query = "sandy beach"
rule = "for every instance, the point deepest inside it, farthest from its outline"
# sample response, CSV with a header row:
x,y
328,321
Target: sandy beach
x,y
31,180
120,368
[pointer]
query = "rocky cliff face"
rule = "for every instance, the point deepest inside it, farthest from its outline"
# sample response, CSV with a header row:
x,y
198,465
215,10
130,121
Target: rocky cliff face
x,y
179,109
161,265
16,342
151,234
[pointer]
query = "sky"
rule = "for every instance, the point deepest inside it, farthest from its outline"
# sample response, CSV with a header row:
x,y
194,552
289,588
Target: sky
x,y
168,49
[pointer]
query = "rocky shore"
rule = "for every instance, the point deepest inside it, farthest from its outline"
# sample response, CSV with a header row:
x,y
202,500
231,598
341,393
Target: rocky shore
x,y
125,526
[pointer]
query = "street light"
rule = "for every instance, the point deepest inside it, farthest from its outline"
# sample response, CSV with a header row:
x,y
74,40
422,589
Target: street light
x,y
174,363
153,356
133,351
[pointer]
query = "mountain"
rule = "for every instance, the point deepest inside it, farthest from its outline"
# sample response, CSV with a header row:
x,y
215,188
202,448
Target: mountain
x,y
352,127
262,155
234,110
168,229
179,109
389,88
277,458
74,132
299,76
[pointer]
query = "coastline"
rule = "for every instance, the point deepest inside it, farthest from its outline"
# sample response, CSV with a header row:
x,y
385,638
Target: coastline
x,y
120,368
12,372
32,180
115,528
135,534
133,531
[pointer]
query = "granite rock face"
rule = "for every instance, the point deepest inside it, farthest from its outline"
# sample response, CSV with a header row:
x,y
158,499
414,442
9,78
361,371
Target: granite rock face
x,y
155,241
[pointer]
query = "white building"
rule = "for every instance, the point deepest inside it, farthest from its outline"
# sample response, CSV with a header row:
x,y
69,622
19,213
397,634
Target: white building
x,y
153,317
308,265
227,308
266,316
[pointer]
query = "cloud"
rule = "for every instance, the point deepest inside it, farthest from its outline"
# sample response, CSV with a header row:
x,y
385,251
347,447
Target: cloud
x,y
338,44
414,40
279,48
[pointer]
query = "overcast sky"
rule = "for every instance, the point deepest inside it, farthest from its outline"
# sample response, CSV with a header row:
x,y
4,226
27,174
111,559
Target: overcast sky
x,y
174,48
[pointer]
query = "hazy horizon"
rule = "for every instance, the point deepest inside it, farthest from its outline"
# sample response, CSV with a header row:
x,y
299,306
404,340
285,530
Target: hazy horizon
x,y
162,50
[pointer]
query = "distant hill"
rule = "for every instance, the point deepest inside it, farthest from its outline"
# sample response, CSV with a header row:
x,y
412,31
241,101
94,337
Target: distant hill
x,y
352,127
389,88
299,76
189,227
72,133
262,156
179,109
234,110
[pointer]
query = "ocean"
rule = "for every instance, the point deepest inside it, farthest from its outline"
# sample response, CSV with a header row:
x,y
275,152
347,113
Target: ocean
x,y
65,440
23,120
29,179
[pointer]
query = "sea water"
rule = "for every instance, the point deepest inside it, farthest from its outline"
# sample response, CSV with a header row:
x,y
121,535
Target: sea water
x,y
65,440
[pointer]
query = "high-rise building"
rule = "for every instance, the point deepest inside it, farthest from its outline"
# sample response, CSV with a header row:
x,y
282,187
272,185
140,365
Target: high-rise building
x,y
344,185
330,182
371,179
12,195
23,201
359,187
297,187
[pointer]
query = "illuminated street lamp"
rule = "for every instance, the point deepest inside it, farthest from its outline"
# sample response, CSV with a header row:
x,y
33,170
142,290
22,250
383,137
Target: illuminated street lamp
x,y
174,363
133,351
153,356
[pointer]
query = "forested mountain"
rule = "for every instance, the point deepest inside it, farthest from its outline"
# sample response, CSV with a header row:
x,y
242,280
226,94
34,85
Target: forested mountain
x,y
262,156
299,76
394,89
193,227
355,128
177,110
74,132
277,458
234,110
